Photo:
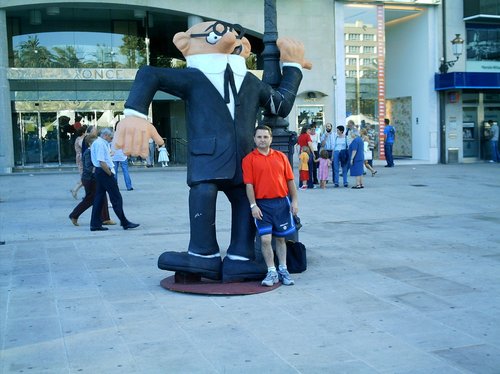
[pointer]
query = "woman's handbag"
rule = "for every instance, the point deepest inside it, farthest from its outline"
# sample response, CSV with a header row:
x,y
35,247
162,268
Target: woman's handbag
x,y
343,157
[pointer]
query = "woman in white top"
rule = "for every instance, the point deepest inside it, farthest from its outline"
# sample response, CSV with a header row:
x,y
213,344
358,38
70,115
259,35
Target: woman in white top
x,y
340,144
368,153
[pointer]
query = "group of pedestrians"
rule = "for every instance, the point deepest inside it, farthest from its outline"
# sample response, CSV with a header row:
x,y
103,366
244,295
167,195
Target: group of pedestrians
x,y
347,150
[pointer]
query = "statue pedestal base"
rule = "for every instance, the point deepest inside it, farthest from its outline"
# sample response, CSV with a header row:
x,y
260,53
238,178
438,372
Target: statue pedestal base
x,y
210,287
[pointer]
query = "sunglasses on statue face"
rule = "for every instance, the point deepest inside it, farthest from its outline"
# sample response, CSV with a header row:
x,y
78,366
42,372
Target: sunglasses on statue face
x,y
216,31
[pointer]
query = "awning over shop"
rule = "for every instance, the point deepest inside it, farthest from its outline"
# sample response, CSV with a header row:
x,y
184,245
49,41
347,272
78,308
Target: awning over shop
x,y
463,81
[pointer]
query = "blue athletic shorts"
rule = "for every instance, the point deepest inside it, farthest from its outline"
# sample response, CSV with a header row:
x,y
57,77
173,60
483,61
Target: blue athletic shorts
x,y
277,218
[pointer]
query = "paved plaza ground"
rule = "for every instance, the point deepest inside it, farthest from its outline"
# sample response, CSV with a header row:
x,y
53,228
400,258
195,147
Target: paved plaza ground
x,y
403,277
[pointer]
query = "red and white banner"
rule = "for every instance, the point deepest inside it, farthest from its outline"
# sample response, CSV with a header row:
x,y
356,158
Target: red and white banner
x,y
381,77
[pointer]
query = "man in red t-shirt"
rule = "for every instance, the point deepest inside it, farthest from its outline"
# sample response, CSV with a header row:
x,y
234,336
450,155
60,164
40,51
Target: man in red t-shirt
x,y
269,180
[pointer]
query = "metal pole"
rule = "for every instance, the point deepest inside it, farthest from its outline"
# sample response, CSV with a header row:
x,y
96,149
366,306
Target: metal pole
x,y
146,39
442,95
271,53
283,140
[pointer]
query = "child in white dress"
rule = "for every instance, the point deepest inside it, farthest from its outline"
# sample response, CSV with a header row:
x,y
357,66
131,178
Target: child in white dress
x,y
163,156
368,155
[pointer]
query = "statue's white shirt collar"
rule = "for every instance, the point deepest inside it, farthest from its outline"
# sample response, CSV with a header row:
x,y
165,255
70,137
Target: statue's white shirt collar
x,y
215,63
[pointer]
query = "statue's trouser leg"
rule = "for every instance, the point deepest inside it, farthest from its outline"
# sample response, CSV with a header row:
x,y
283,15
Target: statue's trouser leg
x,y
202,207
242,224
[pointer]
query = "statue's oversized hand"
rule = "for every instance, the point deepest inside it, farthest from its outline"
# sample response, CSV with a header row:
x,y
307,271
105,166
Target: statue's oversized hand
x,y
292,50
133,134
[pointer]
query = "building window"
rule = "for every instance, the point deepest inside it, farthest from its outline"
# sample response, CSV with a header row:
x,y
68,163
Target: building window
x,y
481,7
78,50
354,36
361,78
350,61
483,47
368,49
310,114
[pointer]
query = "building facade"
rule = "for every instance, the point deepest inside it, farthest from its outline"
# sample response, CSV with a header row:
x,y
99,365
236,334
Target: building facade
x,y
372,60
469,86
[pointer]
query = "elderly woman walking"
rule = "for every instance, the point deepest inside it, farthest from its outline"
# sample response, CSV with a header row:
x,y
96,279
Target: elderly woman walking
x,y
356,153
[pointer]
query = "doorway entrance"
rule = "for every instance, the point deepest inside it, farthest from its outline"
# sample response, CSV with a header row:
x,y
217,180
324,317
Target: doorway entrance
x,y
478,108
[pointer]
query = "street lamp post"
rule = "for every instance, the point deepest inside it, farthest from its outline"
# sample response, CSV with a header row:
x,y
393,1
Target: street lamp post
x,y
283,139
457,45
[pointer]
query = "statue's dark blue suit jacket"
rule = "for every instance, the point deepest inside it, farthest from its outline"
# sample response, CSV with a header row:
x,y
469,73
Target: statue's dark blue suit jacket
x,y
216,142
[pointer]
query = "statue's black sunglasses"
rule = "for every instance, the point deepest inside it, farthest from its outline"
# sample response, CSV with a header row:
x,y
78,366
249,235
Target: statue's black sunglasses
x,y
227,27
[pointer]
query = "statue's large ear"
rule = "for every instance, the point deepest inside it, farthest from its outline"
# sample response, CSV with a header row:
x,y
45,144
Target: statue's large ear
x,y
246,48
181,41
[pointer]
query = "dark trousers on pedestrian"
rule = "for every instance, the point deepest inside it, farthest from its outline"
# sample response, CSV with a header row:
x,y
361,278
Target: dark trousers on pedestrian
x,y
388,154
88,201
106,183
310,164
495,154
315,155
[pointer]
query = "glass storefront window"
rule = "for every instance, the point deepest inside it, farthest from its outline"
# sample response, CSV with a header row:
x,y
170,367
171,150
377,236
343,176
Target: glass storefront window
x,y
30,137
309,114
48,137
361,63
69,49
483,47
470,97
491,98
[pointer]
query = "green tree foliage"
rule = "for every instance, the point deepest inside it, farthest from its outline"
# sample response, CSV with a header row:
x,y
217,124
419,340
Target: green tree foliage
x,y
66,57
251,61
32,55
134,49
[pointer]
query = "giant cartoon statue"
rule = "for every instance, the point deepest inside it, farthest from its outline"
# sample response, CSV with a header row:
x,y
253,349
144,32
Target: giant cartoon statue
x,y
222,102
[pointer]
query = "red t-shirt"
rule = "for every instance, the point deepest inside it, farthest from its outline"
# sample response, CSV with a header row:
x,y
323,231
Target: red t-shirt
x,y
303,140
269,174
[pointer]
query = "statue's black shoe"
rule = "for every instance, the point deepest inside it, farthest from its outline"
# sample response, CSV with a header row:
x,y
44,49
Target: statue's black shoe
x,y
184,262
239,271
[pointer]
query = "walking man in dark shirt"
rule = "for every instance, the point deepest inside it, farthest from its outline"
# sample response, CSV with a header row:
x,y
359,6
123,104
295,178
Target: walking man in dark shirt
x,y
101,158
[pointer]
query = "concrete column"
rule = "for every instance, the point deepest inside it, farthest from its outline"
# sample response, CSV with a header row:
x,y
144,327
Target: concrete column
x,y
6,141
339,81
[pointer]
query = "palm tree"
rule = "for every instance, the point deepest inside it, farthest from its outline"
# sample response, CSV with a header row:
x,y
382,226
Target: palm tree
x,y
66,57
32,55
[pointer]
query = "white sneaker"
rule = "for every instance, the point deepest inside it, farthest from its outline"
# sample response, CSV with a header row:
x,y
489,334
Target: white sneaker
x,y
284,277
271,279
